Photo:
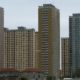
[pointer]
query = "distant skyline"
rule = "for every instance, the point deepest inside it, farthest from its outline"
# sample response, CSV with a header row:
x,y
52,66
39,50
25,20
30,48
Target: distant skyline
x,y
25,12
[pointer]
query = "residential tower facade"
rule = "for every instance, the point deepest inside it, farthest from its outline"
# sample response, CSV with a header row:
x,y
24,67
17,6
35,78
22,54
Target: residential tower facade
x,y
74,34
20,48
65,69
1,37
49,37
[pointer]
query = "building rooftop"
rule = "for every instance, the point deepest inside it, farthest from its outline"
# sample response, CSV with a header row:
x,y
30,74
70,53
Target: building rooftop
x,y
32,70
47,6
8,70
20,28
76,14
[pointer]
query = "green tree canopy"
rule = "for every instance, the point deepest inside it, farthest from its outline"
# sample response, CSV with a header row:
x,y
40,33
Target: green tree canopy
x,y
23,78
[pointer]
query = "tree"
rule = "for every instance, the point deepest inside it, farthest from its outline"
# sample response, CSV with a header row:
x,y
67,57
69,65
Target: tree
x,y
76,73
50,78
23,78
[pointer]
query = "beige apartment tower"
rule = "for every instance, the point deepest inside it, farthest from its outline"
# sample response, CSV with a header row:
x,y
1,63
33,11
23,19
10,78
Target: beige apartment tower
x,y
1,37
17,47
49,39
20,48
65,71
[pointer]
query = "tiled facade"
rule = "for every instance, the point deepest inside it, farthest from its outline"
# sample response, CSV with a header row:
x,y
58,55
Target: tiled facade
x,y
37,50
19,48
65,70
49,37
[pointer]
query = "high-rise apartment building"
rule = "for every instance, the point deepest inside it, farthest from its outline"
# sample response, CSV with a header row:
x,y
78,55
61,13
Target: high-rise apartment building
x,y
1,17
20,48
65,70
49,39
1,37
74,34
9,48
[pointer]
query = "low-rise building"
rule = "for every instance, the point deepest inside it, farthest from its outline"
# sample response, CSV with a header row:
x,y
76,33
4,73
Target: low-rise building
x,y
33,74
27,74
9,74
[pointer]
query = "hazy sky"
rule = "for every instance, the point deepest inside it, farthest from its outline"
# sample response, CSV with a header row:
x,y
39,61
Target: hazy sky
x,y
24,12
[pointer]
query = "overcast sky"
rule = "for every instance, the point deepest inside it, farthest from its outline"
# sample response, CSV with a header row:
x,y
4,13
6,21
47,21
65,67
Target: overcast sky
x,y
24,12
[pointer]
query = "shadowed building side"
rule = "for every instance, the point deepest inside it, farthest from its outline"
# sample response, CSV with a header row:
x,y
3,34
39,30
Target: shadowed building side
x,y
74,34
1,37
65,71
